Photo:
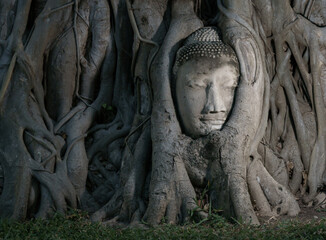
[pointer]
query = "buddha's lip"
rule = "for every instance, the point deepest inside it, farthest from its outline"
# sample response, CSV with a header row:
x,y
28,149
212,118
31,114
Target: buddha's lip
x,y
212,119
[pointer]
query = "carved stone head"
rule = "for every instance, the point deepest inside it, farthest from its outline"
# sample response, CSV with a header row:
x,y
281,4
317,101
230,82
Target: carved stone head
x,y
206,73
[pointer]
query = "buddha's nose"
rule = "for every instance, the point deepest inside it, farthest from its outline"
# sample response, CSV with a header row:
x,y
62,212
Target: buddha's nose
x,y
214,100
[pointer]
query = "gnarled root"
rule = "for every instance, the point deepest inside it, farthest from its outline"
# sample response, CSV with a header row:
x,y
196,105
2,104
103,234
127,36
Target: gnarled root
x,y
110,209
270,197
172,198
58,184
135,168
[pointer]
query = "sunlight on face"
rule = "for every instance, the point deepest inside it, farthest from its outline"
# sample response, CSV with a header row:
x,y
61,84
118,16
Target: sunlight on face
x,y
204,94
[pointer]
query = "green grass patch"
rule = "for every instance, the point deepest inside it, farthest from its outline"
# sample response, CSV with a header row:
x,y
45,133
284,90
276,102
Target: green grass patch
x,y
76,226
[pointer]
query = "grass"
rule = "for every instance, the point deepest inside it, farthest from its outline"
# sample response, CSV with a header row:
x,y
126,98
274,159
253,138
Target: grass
x,y
76,226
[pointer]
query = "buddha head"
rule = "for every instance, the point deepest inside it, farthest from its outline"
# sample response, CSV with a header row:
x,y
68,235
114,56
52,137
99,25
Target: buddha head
x,y
206,73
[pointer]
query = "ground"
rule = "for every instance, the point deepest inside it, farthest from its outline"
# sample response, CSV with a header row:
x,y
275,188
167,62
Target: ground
x,y
76,226
307,214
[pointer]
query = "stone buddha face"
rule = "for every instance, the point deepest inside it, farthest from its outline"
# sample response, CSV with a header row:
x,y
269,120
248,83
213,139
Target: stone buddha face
x,y
204,94
204,87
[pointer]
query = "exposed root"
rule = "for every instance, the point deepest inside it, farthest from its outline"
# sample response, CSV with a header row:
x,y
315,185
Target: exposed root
x,y
58,184
275,165
135,168
270,197
67,117
109,210
173,200
112,135
5,82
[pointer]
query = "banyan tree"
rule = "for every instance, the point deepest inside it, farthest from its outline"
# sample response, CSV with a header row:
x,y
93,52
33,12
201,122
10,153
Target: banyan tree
x,y
133,109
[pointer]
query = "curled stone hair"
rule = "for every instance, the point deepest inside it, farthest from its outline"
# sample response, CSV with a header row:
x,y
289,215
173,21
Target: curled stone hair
x,y
205,42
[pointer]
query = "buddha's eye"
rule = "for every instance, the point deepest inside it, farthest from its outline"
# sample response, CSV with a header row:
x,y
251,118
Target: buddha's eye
x,y
196,84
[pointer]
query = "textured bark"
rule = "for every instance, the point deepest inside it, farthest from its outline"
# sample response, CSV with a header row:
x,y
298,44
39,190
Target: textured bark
x,y
88,119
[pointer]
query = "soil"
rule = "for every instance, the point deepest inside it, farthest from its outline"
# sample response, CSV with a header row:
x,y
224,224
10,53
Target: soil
x,y
314,211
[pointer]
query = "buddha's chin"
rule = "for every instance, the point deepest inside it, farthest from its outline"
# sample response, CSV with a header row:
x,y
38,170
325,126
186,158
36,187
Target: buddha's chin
x,y
213,125
216,127
204,128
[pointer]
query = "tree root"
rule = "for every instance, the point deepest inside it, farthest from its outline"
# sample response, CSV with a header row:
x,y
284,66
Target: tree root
x,y
112,135
270,198
275,165
58,184
317,161
8,77
109,210
291,153
304,32
135,167
173,200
